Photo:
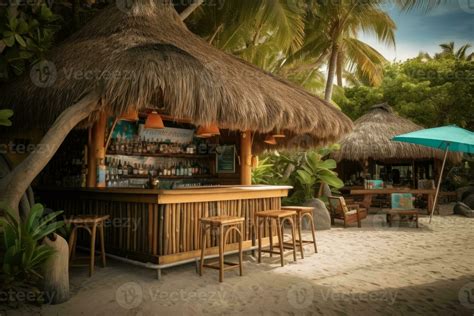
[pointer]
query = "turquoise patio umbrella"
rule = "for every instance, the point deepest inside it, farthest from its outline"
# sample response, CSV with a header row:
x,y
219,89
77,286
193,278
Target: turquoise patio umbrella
x,y
447,138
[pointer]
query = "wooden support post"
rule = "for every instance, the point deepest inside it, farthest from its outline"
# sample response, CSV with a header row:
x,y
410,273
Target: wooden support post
x,y
96,143
246,158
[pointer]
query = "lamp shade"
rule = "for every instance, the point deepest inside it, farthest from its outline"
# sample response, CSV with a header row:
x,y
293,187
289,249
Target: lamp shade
x,y
154,121
131,116
270,140
278,134
208,131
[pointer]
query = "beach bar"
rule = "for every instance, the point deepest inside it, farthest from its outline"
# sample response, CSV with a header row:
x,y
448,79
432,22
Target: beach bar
x,y
172,135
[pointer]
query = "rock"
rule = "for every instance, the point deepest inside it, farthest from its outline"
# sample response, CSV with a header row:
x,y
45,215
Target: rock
x,y
56,272
322,219
464,192
462,209
469,201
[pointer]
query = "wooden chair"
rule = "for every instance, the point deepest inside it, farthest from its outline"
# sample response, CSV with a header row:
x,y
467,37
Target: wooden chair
x,y
303,212
90,223
224,224
280,216
349,213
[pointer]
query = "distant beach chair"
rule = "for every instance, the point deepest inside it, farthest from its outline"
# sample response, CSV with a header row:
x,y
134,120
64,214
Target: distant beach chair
x,y
349,213
403,209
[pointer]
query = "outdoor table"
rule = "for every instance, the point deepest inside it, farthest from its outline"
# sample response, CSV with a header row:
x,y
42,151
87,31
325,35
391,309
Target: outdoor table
x,y
369,193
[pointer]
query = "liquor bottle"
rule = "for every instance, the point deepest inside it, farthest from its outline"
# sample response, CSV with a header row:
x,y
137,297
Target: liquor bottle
x,y
135,169
120,168
141,170
125,168
130,169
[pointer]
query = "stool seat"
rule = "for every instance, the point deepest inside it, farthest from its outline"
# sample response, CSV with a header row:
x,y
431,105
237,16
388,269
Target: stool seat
x,y
86,219
276,213
222,220
299,209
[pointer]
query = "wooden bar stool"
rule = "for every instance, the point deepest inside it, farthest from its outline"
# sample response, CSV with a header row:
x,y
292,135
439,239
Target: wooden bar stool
x,y
280,216
89,223
301,213
224,225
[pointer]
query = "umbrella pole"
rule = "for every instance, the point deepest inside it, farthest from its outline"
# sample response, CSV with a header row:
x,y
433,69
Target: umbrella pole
x,y
439,182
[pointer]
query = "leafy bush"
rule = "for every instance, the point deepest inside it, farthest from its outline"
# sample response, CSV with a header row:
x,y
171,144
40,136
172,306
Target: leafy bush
x,y
24,251
305,171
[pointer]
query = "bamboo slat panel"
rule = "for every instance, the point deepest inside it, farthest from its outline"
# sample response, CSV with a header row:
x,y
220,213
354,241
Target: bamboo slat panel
x,y
145,231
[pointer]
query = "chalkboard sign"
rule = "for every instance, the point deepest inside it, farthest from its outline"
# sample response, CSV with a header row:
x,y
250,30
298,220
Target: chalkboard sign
x,y
225,159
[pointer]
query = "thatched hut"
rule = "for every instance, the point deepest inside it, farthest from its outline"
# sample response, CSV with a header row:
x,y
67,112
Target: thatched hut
x,y
369,149
145,58
141,58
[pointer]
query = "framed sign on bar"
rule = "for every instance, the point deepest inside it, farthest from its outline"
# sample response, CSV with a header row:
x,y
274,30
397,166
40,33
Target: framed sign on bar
x,y
225,159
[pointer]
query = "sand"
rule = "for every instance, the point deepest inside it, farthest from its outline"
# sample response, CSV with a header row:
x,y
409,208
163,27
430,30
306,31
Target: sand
x,y
373,270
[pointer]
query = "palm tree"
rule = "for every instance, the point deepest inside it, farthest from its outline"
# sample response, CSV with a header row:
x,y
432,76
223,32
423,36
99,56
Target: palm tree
x,y
448,50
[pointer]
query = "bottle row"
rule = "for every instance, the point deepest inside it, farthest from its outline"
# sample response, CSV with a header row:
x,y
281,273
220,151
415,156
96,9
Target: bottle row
x,y
140,146
188,168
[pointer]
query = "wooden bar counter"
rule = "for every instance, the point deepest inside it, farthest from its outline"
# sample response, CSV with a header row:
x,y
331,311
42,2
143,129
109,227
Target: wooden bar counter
x,y
162,226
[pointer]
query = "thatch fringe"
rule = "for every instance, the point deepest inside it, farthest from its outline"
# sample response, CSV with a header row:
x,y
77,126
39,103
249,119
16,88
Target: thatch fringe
x,y
372,138
145,57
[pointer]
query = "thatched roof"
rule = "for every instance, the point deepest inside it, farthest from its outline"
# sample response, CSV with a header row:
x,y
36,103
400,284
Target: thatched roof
x,y
372,138
145,57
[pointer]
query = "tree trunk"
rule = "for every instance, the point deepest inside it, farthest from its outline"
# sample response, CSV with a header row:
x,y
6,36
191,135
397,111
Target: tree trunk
x,y
331,71
56,271
187,12
14,185
340,67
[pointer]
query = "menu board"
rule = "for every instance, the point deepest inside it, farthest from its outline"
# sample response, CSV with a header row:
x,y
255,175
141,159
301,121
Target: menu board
x,y
225,159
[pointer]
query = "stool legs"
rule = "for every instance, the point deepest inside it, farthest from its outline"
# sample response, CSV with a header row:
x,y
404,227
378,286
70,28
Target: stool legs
x,y
280,241
221,253
259,234
93,237
102,244
72,243
203,248
271,237
293,236
240,249
313,232
300,228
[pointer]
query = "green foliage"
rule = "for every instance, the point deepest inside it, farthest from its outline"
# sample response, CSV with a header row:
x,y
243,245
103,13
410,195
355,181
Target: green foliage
x,y
26,33
305,171
24,253
430,92
5,117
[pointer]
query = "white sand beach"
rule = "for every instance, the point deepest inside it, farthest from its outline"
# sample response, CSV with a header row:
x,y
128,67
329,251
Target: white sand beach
x,y
373,270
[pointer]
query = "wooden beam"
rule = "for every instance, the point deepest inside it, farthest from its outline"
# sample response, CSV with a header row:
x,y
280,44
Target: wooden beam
x,y
96,150
246,158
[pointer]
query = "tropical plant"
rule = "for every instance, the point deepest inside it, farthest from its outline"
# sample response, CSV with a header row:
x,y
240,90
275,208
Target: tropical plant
x,y
305,171
24,252
26,34
315,171
5,116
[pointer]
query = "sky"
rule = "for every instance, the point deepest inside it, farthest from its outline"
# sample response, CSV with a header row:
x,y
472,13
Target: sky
x,y
418,30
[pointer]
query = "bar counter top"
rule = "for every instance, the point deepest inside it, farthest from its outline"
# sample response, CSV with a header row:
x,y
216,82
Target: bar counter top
x,y
180,195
